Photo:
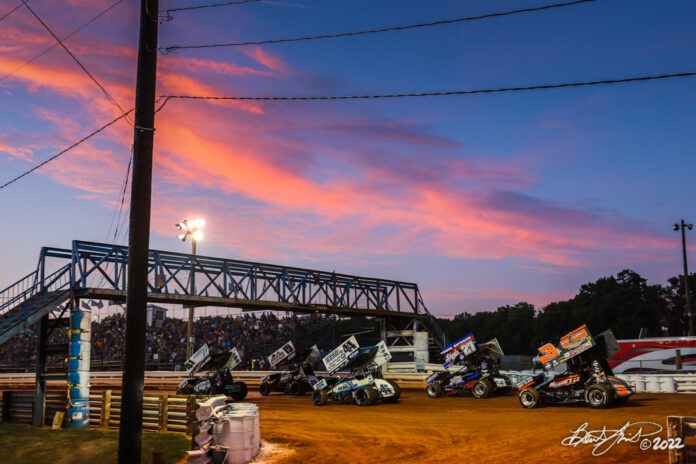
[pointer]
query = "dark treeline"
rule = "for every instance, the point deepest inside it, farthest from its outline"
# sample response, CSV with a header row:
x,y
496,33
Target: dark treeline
x,y
624,303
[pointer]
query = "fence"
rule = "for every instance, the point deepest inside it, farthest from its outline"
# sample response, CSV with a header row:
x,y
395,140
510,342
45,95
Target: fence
x,y
684,429
161,413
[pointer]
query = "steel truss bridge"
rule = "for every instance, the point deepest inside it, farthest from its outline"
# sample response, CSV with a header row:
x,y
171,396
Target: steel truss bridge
x,y
98,271
49,298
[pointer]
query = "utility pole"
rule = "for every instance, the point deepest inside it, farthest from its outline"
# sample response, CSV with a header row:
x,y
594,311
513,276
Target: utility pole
x,y
688,312
130,429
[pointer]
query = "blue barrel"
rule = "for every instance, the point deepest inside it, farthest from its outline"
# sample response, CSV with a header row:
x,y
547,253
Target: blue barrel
x,y
78,368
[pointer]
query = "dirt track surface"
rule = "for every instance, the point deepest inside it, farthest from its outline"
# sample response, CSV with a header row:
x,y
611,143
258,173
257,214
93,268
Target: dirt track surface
x,y
454,429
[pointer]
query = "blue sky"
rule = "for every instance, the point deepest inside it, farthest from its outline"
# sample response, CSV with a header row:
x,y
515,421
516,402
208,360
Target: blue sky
x,y
483,200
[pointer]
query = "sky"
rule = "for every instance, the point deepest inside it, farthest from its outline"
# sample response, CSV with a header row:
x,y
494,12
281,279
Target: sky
x,y
483,200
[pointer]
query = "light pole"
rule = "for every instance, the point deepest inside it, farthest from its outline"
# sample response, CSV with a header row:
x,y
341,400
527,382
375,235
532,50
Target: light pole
x,y
687,309
193,228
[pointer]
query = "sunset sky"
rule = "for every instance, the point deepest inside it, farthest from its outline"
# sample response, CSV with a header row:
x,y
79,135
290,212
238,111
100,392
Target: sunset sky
x,y
483,200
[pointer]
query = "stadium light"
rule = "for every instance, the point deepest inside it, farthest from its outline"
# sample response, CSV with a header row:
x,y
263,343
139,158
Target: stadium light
x,y
191,227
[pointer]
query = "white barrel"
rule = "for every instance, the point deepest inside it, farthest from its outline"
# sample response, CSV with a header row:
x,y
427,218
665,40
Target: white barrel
x,y
652,384
638,382
667,384
238,431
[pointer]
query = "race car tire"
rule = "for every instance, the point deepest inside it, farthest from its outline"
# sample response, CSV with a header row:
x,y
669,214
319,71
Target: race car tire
x,y
598,396
529,397
434,390
366,396
397,393
482,389
320,397
265,388
294,388
241,392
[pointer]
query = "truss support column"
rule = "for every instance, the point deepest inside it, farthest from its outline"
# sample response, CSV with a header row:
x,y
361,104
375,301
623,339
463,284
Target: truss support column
x,y
79,351
40,390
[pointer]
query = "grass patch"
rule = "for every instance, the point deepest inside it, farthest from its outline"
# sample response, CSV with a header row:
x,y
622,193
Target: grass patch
x,y
23,443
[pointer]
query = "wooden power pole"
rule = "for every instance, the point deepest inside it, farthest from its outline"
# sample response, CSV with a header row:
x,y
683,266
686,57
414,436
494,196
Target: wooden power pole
x,y
130,429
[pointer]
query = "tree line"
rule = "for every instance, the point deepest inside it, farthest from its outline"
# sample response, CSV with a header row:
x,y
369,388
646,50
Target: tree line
x,y
624,303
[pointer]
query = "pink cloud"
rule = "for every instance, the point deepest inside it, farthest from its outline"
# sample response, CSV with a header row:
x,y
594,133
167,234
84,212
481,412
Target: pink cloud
x,y
268,60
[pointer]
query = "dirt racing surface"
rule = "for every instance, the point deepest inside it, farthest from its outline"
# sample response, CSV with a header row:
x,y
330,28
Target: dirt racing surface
x,y
418,429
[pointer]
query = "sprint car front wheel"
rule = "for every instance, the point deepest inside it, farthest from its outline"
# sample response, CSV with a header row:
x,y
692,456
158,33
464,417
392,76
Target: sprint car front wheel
x,y
434,390
241,391
366,396
264,388
320,397
482,388
397,393
529,397
598,396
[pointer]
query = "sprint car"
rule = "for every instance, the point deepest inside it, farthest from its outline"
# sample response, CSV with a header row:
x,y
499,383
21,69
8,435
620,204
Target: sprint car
x,y
587,379
362,383
469,367
297,378
212,375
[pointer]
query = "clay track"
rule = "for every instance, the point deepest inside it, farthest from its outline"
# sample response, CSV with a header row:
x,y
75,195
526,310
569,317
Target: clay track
x,y
418,429
455,429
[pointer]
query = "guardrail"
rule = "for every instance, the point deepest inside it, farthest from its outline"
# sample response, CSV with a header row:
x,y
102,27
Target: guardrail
x,y
167,381
161,413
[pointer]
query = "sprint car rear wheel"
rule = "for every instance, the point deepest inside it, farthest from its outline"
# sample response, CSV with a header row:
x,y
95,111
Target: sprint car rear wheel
x,y
264,388
598,396
241,392
320,397
366,396
296,388
434,390
482,388
529,397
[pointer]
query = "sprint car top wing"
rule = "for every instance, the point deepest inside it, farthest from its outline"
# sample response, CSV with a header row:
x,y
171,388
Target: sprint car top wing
x,y
491,349
570,345
340,356
463,347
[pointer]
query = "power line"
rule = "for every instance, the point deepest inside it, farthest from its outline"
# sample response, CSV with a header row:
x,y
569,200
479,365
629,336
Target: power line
x,y
60,42
166,98
64,38
215,5
11,11
440,94
375,31
38,166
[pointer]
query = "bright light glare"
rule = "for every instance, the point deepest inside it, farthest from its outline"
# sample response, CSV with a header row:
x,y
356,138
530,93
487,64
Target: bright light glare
x,y
182,237
197,235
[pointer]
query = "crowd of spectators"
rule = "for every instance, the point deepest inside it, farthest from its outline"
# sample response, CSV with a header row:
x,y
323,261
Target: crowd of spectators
x,y
254,336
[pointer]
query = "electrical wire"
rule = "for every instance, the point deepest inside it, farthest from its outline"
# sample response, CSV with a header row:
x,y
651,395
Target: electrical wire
x,y
174,48
214,5
440,94
40,165
64,38
11,11
60,42
165,98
